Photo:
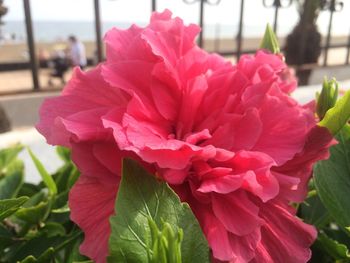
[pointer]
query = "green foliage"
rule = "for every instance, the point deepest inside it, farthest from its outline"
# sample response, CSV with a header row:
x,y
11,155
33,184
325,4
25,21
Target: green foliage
x,y
338,116
328,206
63,153
11,180
332,179
270,41
49,182
34,214
143,199
10,206
314,213
7,156
37,228
34,219
327,98
47,256
336,250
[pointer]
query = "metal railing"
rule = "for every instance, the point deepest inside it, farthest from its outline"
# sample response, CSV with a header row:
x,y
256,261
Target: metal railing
x,y
332,6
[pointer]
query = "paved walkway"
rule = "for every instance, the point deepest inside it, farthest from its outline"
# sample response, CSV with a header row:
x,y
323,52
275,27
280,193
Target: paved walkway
x,y
21,80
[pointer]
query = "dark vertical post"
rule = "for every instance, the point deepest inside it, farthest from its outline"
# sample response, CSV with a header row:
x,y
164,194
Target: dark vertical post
x,y
154,5
240,31
98,30
277,6
201,16
328,39
348,52
31,44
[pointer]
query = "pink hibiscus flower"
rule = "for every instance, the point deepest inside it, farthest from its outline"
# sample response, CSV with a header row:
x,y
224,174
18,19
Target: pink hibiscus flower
x,y
228,139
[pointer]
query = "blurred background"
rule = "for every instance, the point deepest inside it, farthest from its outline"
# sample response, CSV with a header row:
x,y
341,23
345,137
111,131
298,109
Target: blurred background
x,y
42,40
39,40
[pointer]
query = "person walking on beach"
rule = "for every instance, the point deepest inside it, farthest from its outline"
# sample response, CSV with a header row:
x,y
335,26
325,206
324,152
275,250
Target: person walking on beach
x,y
77,52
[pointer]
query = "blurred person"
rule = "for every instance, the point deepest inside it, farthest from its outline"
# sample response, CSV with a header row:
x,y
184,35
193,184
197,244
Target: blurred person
x,y
58,65
43,57
77,52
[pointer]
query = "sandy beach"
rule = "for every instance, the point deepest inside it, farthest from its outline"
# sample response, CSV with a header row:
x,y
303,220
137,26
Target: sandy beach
x,y
17,52
20,80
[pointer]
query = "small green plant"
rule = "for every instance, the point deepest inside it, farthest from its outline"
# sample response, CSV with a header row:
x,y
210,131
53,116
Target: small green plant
x,y
34,219
165,244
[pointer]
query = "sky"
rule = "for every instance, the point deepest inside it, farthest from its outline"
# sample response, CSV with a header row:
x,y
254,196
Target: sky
x,y
227,12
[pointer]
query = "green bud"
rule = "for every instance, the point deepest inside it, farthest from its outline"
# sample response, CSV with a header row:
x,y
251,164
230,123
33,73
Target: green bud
x,y
327,98
155,252
154,229
270,41
180,235
165,245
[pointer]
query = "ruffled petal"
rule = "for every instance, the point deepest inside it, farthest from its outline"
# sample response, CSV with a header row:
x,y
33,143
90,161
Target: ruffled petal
x,y
285,129
216,234
236,212
284,238
77,112
92,203
299,169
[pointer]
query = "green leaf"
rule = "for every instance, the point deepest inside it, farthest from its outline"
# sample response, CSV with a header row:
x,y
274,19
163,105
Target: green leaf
x,y
35,207
337,233
327,98
12,181
10,206
332,179
73,177
65,177
6,238
63,209
28,189
140,197
338,116
8,155
49,182
53,229
72,253
69,240
33,215
47,256
61,177
36,247
63,153
36,199
59,211
29,259
61,200
333,248
270,41
313,212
